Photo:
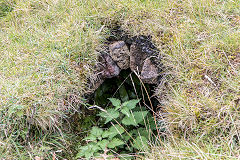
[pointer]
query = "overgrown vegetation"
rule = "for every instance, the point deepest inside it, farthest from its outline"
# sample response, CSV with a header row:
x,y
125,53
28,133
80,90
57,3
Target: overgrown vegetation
x,y
124,87
47,50
130,130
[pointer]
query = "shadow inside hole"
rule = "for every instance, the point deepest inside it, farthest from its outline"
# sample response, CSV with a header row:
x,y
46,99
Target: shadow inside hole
x,y
125,86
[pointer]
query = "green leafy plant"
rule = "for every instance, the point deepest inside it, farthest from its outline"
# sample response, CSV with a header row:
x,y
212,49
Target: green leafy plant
x,y
130,129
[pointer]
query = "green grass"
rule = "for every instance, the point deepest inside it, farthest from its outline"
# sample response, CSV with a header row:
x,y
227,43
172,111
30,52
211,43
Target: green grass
x,y
47,53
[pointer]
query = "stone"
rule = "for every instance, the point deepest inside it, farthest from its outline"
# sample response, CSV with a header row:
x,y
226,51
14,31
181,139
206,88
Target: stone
x,y
120,54
137,58
142,58
144,43
150,72
106,67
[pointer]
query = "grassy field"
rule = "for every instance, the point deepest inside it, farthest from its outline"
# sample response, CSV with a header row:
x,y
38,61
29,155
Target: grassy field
x,y
47,52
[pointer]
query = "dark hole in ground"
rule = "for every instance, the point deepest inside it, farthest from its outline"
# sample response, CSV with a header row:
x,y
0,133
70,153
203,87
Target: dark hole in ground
x,y
125,86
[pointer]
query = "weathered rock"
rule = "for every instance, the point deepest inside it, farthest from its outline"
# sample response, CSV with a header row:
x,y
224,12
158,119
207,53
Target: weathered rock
x,y
120,54
137,58
106,67
146,46
150,72
142,59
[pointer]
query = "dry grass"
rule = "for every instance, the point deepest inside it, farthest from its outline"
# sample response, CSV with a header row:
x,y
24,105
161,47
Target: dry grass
x,y
47,50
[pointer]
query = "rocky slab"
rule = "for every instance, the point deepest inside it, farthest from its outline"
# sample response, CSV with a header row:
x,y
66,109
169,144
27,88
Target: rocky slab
x,y
120,54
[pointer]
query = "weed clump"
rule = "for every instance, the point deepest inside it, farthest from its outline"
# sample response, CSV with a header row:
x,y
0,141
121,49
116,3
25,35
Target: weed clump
x,y
129,130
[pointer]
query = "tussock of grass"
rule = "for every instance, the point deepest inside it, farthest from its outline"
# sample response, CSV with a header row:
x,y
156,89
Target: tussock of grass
x,y
47,51
182,149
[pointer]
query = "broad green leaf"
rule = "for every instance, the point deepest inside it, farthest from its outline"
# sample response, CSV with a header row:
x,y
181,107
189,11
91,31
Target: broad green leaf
x,y
95,148
112,132
115,102
143,132
91,137
116,128
88,154
106,134
103,114
103,144
129,120
83,149
126,137
115,142
125,110
110,115
139,116
117,108
131,104
88,150
141,143
97,132
135,118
